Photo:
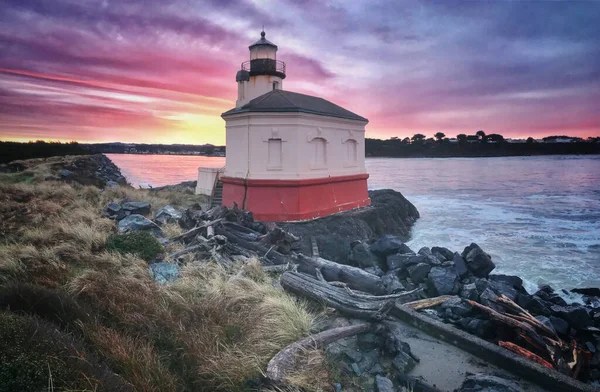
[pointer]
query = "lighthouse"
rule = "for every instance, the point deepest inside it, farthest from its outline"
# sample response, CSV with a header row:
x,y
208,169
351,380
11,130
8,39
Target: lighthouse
x,y
290,156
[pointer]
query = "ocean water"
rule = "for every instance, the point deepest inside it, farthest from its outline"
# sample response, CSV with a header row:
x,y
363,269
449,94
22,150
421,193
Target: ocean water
x,y
538,217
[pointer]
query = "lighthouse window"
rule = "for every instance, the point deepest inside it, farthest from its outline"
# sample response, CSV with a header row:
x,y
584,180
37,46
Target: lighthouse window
x,y
351,151
320,152
274,152
275,85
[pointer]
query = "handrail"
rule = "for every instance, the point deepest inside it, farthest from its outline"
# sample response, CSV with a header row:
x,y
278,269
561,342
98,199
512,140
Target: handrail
x,y
264,65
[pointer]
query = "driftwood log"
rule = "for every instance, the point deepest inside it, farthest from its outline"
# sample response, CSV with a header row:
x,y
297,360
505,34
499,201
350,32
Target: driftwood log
x,y
361,306
284,361
354,277
191,233
261,250
429,302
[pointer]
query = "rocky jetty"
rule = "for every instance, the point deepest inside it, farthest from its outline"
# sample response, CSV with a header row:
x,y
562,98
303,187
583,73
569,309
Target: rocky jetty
x,y
95,170
389,213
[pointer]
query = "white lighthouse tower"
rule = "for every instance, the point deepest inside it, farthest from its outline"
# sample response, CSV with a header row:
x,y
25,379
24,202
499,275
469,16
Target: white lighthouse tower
x,y
261,74
290,156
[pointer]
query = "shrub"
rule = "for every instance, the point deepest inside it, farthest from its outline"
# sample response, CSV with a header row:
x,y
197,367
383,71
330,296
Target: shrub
x,y
37,356
140,243
48,304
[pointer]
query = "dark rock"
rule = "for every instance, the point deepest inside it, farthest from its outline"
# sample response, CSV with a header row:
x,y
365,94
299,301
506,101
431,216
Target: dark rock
x,y
369,361
534,305
488,383
488,298
443,281
447,253
403,362
546,321
590,347
440,258
136,207
478,262
469,291
399,261
136,222
164,272
113,211
479,327
458,306
360,256
513,281
389,213
459,264
576,315
369,341
592,292
433,260
384,384
388,244
418,272
560,325
168,214
391,284
331,248
549,295
64,173
374,270
468,249
425,251
111,184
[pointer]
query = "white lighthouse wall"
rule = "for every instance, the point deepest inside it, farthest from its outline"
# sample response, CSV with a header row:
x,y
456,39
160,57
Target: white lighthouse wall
x,y
255,87
293,146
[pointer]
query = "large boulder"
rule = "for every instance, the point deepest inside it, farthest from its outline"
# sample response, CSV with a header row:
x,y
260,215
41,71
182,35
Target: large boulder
x,y
445,252
404,260
384,384
478,262
392,284
361,256
388,244
136,207
576,315
560,325
511,280
418,272
459,264
113,211
168,214
136,222
443,281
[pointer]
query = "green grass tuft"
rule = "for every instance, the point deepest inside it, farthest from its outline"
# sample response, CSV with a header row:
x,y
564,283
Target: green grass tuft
x,y
141,244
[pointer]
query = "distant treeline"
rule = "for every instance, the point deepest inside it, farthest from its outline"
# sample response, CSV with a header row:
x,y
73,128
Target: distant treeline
x,y
10,151
478,145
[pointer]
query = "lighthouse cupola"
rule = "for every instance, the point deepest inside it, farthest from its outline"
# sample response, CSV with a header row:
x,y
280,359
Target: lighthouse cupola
x,y
262,73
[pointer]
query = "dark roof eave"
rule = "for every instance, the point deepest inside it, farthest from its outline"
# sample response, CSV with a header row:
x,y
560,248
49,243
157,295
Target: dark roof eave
x,y
291,110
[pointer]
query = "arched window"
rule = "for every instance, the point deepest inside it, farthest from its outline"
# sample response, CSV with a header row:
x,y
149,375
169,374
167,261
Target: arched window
x,y
319,152
351,151
274,157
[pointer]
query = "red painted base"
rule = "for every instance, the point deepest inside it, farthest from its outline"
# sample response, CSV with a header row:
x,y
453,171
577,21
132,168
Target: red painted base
x,y
293,200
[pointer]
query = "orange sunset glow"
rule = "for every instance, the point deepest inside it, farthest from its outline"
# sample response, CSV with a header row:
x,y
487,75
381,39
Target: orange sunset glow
x,y
156,72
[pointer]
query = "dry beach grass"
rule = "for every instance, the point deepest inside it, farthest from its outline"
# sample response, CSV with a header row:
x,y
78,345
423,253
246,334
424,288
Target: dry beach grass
x,y
107,324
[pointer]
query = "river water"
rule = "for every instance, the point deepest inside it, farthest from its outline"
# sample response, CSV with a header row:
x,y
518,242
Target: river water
x,y
538,217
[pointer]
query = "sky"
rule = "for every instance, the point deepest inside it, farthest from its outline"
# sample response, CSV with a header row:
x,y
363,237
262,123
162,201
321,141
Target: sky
x,y
160,71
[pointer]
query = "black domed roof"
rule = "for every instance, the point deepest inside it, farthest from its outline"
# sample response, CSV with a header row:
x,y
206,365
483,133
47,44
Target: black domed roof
x,y
262,42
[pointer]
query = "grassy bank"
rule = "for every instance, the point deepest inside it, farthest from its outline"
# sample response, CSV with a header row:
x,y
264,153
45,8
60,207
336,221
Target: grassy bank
x,y
77,313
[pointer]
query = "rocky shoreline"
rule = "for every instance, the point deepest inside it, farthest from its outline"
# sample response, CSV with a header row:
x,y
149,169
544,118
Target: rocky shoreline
x,y
358,264
351,242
